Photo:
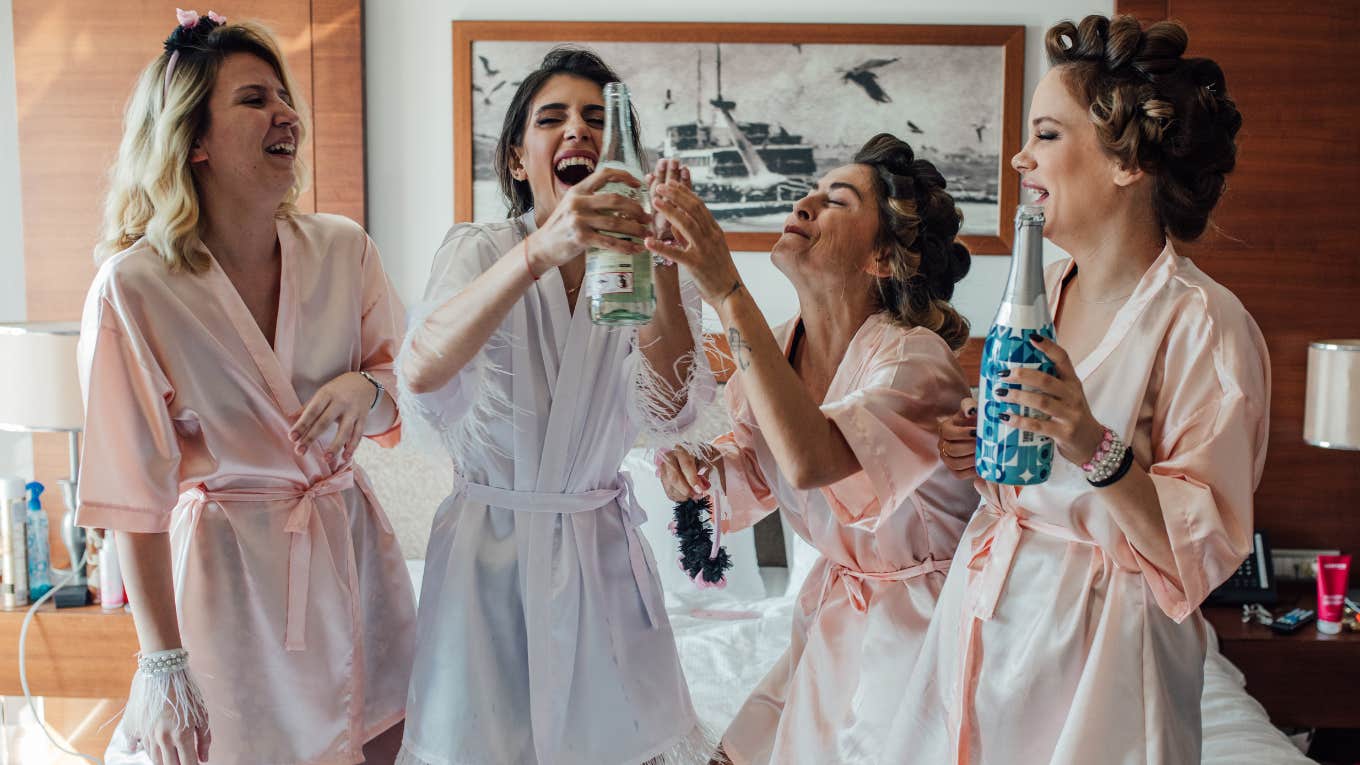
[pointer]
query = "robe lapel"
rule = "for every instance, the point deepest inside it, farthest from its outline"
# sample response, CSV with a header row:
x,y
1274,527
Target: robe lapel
x,y
273,363
570,394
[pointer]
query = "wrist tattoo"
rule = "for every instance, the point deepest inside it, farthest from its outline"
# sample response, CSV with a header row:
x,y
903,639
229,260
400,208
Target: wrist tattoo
x,y
741,350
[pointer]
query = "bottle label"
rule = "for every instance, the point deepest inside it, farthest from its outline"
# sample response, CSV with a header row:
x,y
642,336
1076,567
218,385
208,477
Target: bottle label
x,y
1005,453
609,273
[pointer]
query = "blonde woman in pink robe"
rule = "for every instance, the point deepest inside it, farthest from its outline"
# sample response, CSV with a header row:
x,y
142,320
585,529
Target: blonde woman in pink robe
x,y
835,417
233,351
1067,631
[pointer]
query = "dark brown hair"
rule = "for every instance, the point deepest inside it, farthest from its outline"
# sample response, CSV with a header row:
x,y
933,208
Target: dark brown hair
x,y
563,59
918,227
1154,109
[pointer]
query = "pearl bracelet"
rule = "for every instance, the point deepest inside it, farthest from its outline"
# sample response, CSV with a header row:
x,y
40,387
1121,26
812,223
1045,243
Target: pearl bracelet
x,y
163,662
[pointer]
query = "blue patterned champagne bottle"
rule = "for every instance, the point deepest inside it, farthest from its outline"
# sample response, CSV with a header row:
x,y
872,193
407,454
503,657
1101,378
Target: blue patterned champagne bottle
x,y
1005,454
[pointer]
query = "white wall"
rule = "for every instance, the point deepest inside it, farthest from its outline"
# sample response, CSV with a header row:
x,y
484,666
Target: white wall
x,y
408,47
16,450
410,126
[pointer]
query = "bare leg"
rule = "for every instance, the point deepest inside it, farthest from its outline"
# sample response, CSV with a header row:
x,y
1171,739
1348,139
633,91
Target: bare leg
x,y
382,749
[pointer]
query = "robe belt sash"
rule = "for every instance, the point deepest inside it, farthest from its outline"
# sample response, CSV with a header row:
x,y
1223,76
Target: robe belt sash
x,y
990,564
639,556
854,580
306,502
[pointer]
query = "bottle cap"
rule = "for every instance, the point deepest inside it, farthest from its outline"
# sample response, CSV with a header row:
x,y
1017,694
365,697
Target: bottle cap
x,y
12,488
35,491
1030,214
1328,628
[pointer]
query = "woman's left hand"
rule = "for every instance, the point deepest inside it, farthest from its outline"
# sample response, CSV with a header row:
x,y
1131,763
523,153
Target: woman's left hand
x,y
700,246
1075,431
345,401
666,171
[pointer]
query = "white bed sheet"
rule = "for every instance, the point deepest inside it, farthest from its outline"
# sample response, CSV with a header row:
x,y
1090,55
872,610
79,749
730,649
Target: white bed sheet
x,y
724,658
727,644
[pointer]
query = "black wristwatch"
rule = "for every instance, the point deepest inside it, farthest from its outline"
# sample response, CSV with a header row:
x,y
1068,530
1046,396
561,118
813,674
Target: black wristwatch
x,y
377,394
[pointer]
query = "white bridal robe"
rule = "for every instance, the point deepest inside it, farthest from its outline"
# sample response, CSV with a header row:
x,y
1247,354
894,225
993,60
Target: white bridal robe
x,y
542,636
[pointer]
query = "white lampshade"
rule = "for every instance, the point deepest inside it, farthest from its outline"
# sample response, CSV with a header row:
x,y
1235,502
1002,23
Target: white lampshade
x,y
1331,414
39,385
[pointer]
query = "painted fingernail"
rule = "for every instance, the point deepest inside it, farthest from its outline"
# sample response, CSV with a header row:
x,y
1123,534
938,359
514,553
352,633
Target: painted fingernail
x,y
1035,337
1004,373
973,432
1005,417
972,410
1001,392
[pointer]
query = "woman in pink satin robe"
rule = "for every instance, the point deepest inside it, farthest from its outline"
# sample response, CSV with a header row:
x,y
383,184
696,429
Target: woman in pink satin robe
x,y
247,535
836,416
1067,631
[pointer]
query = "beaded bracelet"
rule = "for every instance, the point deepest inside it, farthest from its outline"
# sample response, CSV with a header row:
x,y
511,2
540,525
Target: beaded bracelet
x,y
163,662
1107,459
1120,470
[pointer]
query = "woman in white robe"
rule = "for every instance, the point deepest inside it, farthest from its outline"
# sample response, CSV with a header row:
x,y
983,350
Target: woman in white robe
x,y
542,636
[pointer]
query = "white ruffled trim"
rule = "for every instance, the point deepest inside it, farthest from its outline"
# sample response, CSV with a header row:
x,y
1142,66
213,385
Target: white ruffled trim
x,y
431,432
653,397
150,696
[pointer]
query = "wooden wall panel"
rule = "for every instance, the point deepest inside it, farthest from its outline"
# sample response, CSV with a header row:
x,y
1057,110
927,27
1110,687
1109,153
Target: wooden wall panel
x,y
1282,241
72,81
338,108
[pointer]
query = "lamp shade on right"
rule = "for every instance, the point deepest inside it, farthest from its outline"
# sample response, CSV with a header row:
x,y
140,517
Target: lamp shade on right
x,y
1331,414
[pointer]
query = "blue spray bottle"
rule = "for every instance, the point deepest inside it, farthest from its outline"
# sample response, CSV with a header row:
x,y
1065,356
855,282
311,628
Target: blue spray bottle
x,y
39,555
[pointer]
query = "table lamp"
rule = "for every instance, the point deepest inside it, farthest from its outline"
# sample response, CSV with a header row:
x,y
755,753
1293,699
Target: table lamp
x,y
1331,412
40,393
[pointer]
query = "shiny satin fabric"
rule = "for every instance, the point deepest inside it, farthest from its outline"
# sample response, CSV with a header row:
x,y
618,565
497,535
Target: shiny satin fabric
x,y
886,535
292,595
542,636
1056,640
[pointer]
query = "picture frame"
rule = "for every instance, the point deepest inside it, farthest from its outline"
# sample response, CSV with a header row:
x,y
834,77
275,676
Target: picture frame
x,y
760,110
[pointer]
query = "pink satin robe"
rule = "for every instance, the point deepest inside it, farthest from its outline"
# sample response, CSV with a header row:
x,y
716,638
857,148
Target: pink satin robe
x,y
293,598
1055,639
886,535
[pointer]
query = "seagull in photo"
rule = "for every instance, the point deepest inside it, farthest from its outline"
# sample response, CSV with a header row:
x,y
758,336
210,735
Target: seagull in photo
x,y
669,100
913,128
864,76
978,128
486,65
487,100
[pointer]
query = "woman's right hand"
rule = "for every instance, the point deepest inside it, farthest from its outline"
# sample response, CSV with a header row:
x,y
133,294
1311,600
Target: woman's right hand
x,y
172,741
581,218
958,441
683,475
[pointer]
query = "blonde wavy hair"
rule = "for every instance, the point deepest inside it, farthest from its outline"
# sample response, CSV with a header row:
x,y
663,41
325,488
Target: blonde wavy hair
x,y
152,193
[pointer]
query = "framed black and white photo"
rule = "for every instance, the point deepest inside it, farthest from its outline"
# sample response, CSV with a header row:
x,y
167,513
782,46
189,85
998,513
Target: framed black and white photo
x,y
759,111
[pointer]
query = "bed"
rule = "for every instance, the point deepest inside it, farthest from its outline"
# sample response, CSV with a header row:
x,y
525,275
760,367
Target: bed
x,y
728,639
